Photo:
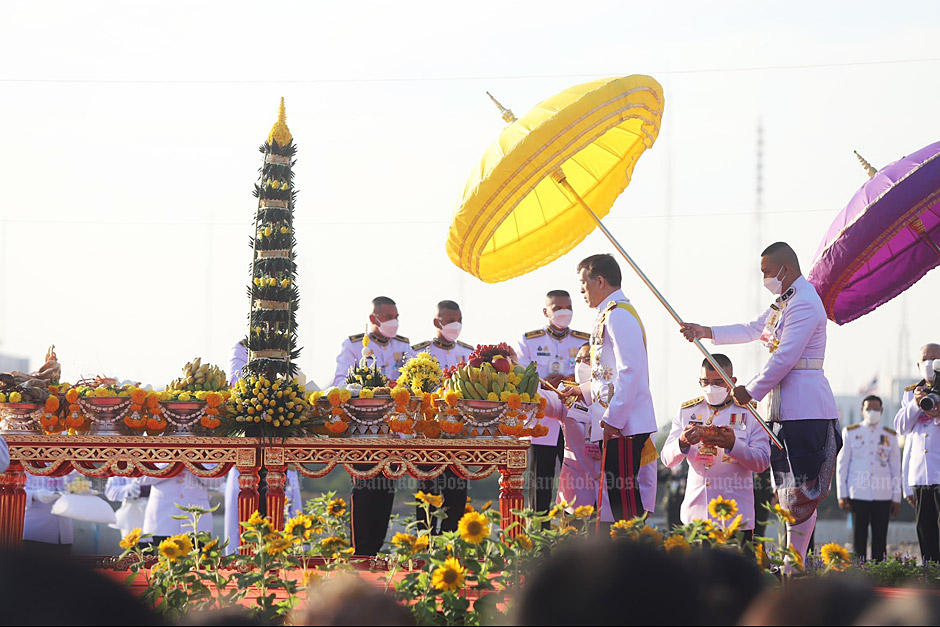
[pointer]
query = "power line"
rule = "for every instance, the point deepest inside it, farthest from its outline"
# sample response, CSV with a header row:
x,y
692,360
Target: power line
x,y
437,79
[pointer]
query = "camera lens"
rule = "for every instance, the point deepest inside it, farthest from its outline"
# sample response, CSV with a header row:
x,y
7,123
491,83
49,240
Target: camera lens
x,y
930,402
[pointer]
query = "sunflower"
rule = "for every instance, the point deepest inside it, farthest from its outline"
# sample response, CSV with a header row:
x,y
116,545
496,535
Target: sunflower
x,y
722,508
184,543
651,535
449,576
678,545
624,530
131,539
278,544
525,542
835,556
333,545
435,500
473,528
336,507
486,506
404,541
170,550
584,511
299,527
796,558
421,544
784,514
722,535
210,548
563,531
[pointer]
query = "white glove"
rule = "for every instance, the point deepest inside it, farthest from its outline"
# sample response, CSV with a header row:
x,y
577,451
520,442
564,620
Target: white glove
x,y
133,490
46,496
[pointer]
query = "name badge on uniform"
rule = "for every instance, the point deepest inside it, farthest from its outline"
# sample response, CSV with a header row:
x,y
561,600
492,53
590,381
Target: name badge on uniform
x,y
593,450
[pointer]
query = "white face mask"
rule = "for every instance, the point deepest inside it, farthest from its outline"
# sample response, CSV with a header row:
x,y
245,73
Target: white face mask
x,y
871,416
389,328
561,318
451,331
582,373
775,284
716,394
927,369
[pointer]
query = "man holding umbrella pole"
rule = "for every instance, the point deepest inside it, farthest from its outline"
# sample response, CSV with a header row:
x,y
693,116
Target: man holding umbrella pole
x,y
802,409
619,383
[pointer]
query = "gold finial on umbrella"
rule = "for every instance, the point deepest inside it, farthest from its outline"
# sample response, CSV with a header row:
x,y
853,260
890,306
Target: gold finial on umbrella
x,y
508,115
868,167
279,132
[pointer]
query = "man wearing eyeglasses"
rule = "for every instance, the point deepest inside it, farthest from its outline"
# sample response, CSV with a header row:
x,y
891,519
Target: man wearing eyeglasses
x,y
723,447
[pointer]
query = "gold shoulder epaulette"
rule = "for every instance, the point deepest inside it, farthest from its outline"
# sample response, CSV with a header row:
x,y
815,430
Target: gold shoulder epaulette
x,y
855,426
465,345
421,346
533,334
694,401
911,387
402,338
581,335
891,431
357,338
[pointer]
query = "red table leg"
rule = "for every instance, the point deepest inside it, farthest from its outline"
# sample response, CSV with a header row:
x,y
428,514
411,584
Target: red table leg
x,y
12,506
511,482
276,500
248,496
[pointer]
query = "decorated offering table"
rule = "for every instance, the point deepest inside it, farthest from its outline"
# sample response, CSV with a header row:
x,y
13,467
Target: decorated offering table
x,y
166,456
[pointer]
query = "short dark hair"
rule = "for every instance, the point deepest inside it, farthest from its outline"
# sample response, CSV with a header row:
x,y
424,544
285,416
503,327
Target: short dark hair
x,y
603,265
722,360
558,294
447,304
872,398
782,252
378,301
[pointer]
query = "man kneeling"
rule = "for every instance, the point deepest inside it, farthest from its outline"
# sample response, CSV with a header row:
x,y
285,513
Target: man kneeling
x,y
723,447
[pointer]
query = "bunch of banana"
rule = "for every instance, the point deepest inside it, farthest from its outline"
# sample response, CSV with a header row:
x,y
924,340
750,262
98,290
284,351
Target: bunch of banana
x,y
477,383
198,377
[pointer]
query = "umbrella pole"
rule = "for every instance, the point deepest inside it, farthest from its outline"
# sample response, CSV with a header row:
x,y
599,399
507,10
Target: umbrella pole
x,y
559,178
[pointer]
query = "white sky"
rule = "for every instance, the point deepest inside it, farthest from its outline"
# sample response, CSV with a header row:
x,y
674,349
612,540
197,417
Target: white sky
x,y
130,137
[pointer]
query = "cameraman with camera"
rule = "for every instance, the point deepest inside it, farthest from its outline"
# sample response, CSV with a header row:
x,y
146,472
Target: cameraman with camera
x,y
919,420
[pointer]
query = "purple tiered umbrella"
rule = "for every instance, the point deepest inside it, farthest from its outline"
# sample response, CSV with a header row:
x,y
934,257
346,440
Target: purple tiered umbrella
x,y
884,240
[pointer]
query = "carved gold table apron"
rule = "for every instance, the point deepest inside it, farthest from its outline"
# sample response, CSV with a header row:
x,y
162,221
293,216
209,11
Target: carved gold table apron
x,y
167,456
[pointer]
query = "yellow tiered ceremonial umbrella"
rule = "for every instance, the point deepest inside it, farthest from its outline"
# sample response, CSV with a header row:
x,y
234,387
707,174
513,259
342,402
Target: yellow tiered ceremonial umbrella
x,y
551,176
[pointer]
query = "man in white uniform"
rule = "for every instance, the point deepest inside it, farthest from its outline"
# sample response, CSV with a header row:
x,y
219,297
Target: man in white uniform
x,y
921,429
554,348
800,404
448,351
868,484
578,482
185,489
445,347
42,529
619,383
722,446
390,350
372,499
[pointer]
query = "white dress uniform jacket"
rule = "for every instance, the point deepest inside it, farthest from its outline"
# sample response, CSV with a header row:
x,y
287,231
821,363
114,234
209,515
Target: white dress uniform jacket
x,y
794,330
295,504
4,455
906,486
447,354
620,380
729,474
184,489
390,355
553,352
40,524
923,432
581,470
868,467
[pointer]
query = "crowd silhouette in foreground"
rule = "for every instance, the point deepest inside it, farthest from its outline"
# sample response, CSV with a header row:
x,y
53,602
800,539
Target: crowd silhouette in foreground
x,y
589,582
